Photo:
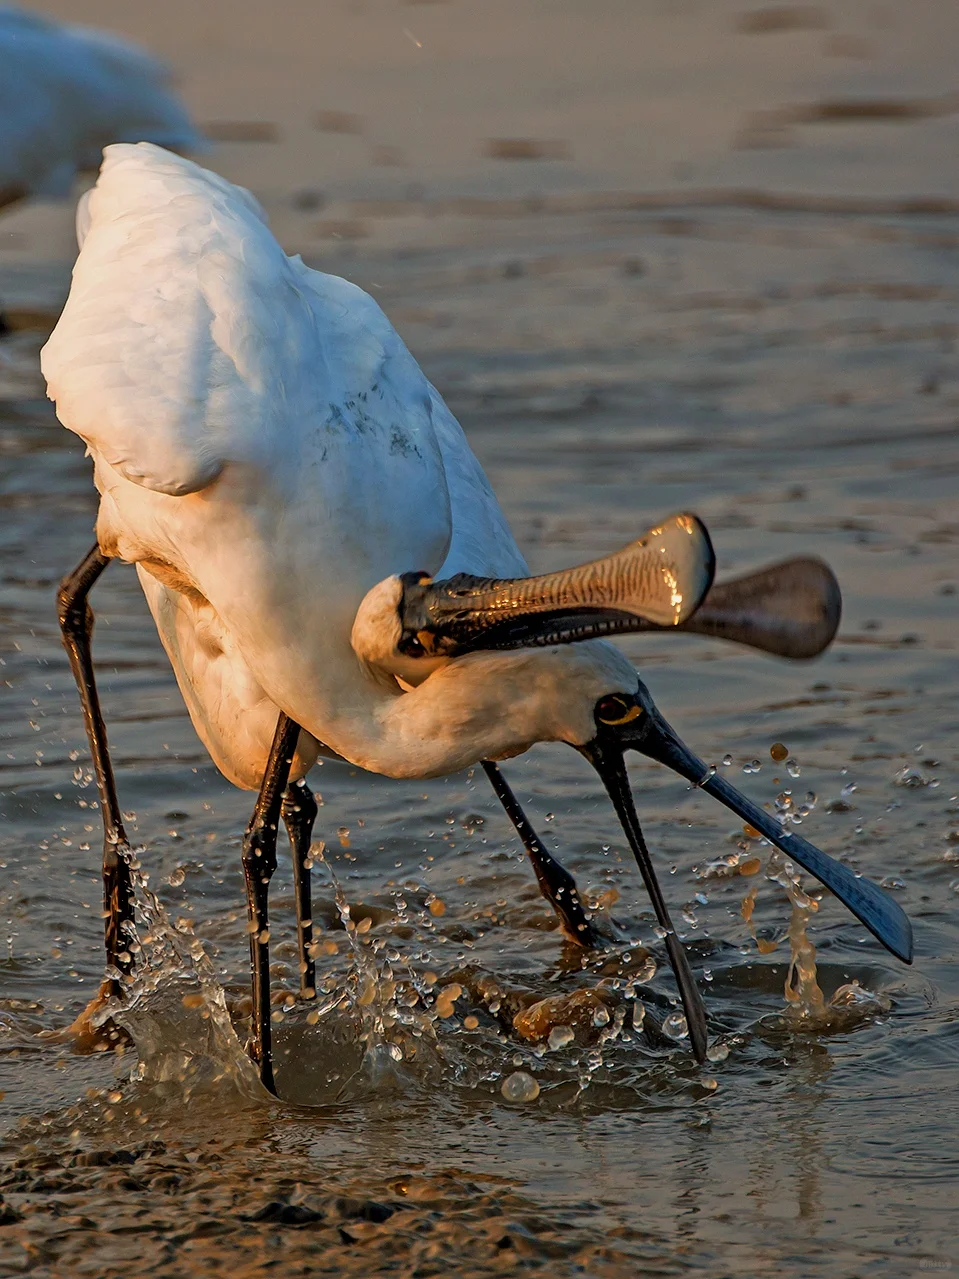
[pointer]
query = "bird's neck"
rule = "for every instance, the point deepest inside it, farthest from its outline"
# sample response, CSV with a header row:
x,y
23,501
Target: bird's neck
x,y
485,706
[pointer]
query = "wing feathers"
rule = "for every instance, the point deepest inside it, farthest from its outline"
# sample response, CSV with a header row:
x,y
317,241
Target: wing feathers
x,y
165,359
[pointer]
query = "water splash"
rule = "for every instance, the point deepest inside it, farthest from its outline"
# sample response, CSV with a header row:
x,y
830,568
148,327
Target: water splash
x,y
390,1013
174,1008
805,998
807,1007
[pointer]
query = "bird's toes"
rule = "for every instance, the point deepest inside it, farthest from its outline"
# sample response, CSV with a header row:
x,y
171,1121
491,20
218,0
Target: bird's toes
x,y
94,1030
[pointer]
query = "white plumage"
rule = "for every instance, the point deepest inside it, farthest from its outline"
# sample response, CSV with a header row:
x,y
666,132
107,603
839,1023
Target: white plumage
x,y
65,92
267,451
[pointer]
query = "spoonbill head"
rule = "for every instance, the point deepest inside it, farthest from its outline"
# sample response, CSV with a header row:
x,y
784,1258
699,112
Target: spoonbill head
x,y
329,570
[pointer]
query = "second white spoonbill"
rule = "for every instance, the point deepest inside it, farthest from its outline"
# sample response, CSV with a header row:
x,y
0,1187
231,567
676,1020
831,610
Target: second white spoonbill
x,y
68,91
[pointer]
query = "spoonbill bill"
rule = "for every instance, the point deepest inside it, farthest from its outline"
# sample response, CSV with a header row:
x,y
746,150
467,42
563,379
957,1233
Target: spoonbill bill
x,y
65,92
329,570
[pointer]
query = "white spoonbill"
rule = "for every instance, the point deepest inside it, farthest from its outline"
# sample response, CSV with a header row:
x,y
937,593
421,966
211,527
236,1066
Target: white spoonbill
x,y
328,568
65,92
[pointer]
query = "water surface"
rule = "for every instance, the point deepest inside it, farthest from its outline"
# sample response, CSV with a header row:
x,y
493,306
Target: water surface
x,y
791,376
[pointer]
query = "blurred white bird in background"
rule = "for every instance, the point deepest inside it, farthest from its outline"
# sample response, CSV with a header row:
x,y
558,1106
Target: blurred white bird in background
x,y
65,93
325,559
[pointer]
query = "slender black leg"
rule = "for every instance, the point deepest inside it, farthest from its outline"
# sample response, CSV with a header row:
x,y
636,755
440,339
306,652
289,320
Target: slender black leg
x,y
76,623
555,882
299,813
259,863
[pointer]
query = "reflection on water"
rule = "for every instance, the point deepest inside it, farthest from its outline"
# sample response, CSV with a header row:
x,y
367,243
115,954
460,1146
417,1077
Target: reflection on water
x,y
735,378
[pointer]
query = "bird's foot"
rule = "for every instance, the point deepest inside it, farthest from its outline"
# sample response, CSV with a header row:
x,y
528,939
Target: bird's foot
x,y
94,1030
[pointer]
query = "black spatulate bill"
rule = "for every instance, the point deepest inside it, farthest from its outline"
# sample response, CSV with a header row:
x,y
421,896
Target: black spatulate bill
x,y
879,911
648,733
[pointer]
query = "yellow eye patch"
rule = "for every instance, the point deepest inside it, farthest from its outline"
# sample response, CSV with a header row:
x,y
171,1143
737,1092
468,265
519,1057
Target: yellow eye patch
x,y
616,711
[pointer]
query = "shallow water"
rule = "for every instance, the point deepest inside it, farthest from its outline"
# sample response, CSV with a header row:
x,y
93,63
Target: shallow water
x,y
790,375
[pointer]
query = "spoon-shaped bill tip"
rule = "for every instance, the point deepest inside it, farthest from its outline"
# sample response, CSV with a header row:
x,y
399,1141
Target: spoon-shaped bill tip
x,y
876,909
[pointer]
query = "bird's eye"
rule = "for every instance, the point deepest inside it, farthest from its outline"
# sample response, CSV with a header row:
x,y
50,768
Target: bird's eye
x,y
411,646
615,709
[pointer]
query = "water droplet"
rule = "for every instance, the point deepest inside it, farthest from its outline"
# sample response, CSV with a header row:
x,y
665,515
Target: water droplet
x,y
717,1051
675,1026
910,777
893,882
549,817
778,752
849,789
560,1036
792,768
367,992
396,1052
176,877
646,972
520,1086
809,799
600,1017
727,760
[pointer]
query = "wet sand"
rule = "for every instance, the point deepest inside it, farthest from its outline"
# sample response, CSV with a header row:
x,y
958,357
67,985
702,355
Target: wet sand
x,y
624,332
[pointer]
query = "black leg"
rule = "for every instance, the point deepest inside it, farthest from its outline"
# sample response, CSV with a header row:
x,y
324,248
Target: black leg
x,y
555,882
76,623
299,813
259,863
